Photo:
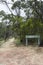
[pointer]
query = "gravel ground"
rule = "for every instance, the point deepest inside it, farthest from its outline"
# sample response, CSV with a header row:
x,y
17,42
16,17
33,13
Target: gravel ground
x,y
21,55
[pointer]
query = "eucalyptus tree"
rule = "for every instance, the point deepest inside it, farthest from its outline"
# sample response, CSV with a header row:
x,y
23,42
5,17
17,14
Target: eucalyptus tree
x,y
34,13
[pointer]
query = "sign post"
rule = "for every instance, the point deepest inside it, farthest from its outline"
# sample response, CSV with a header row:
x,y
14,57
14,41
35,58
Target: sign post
x,y
32,36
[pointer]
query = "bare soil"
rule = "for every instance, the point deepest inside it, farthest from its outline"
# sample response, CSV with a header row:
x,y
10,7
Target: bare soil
x,y
11,55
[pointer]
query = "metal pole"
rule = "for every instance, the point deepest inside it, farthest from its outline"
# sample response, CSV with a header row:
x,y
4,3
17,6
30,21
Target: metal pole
x,y
26,42
38,41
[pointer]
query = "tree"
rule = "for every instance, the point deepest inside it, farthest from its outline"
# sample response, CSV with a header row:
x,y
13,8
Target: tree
x,y
32,25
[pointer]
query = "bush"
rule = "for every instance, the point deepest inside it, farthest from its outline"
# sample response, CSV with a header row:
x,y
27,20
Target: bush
x,y
17,42
31,26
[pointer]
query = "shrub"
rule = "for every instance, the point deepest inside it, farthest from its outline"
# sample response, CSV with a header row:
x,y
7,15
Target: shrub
x,y
17,42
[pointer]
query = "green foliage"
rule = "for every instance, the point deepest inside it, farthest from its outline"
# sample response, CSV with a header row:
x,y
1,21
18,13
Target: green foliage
x,y
17,42
31,26
12,0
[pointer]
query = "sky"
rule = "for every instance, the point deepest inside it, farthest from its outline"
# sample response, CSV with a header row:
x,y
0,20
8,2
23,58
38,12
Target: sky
x,y
4,7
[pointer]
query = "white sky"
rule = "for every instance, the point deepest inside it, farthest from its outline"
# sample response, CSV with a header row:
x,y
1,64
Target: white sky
x,y
4,7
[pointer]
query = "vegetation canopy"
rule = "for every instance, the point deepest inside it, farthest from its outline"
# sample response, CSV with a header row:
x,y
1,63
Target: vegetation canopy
x,y
19,26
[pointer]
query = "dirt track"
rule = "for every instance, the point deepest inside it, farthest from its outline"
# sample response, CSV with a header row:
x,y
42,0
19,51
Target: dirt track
x,y
11,55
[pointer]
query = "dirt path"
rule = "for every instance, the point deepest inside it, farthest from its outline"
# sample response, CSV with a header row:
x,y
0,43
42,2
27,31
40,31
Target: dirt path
x,y
8,43
10,55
